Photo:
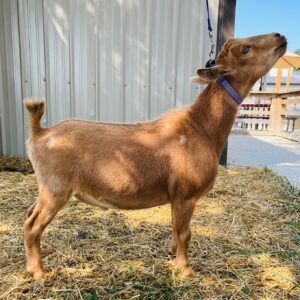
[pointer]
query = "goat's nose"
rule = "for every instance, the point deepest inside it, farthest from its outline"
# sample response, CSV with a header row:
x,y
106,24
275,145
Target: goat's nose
x,y
277,34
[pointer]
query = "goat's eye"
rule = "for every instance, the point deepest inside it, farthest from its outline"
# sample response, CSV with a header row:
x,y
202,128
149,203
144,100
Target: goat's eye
x,y
246,49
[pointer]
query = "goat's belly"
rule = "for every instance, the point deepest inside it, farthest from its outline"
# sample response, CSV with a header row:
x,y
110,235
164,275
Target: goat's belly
x,y
122,202
99,202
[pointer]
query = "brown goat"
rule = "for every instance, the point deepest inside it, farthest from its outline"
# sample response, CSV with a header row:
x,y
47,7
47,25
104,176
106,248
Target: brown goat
x,y
173,159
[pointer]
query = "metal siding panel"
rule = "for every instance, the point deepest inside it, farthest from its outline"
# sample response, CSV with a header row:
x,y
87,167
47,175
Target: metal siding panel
x,y
32,48
83,58
100,54
169,54
144,49
149,57
12,92
5,140
153,60
163,58
186,55
3,146
136,61
32,53
18,137
99,7
57,25
109,53
11,107
180,79
194,46
160,59
111,60
131,61
193,54
174,48
117,60
201,45
105,47
177,29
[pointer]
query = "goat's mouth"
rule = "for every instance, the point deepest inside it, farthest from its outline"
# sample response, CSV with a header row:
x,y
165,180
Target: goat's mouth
x,y
282,46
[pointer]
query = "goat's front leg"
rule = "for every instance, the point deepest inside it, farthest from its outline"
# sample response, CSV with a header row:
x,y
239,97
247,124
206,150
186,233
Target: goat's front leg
x,y
182,212
173,242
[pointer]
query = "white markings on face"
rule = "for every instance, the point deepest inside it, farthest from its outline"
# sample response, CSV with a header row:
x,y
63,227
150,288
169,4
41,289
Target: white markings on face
x,y
182,139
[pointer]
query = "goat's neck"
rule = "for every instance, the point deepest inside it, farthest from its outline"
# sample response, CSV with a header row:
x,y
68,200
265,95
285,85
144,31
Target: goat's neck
x,y
214,112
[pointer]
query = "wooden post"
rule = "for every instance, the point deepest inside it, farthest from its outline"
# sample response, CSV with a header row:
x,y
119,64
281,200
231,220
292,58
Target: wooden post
x,y
225,30
276,120
288,79
278,79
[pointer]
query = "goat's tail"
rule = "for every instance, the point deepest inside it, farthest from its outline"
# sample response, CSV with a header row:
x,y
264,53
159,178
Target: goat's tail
x,y
36,110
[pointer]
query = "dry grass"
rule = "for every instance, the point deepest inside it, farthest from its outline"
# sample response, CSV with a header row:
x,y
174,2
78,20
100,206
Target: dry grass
x,y
245,244
15,164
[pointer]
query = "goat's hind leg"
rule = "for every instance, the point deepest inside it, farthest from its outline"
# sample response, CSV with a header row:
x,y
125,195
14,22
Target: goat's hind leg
x,y
31,209
40,215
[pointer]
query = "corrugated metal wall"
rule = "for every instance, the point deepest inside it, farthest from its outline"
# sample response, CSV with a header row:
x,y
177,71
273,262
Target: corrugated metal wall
x,y
108,60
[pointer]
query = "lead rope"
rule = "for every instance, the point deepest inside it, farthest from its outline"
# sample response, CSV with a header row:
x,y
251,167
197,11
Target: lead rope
x,y
210,32
211,62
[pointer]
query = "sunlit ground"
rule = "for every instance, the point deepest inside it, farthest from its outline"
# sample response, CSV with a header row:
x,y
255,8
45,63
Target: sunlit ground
x,y
245,245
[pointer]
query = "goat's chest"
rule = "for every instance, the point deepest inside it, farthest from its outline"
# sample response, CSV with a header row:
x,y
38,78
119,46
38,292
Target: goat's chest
x,y
193,169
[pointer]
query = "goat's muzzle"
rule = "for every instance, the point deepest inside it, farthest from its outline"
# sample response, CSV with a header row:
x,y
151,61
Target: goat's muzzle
x,y
283,43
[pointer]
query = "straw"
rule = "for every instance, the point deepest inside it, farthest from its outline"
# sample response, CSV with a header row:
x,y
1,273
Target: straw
x,y
245,243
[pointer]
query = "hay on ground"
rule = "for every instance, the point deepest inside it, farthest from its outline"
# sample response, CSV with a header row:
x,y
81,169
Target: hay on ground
x,y
245,244
15,164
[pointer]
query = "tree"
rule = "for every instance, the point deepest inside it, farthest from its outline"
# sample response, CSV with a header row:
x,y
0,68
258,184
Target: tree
x,y
297,51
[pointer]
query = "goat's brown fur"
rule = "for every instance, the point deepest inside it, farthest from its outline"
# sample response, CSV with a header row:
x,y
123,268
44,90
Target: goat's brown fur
x,y
173,159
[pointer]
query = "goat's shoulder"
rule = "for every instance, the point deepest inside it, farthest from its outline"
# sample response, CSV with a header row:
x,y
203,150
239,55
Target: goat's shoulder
x,y
173,121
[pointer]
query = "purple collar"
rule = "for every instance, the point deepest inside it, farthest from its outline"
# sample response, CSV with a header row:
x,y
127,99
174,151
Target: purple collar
x,y
230,90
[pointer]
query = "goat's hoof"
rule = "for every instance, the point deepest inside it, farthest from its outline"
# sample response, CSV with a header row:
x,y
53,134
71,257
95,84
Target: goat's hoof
x,y
183,271
187,273
39,275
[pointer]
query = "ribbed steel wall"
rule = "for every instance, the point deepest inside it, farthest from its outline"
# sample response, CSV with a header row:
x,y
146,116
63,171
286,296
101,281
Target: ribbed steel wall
x,y
107,60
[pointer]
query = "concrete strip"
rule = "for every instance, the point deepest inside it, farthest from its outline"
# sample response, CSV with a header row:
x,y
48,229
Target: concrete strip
x,y
279,154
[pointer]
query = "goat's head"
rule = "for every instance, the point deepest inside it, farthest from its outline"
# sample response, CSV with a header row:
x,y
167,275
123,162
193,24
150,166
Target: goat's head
x,y
245,60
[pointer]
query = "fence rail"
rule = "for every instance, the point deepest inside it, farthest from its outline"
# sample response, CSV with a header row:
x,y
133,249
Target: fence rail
x,y
275,113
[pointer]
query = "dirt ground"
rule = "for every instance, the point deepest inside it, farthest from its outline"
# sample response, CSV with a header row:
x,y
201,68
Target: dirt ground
x,y
245,244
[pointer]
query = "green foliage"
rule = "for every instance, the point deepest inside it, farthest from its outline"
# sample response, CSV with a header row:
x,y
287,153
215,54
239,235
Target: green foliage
x,y
268,171
296,238
297,51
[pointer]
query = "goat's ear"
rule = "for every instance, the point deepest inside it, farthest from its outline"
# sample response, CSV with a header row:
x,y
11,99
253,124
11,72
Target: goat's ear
x,y
207,75
199,80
